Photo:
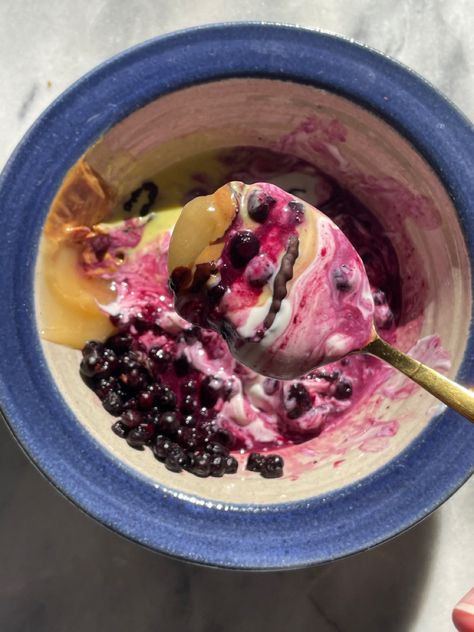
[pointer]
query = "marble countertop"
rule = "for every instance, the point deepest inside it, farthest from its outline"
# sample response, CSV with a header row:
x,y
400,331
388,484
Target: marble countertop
x,y
60,570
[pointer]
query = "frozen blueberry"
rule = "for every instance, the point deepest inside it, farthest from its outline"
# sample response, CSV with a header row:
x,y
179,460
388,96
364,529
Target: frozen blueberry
x,y
141,435
218,466
120,343
99,363
162,447
259,270
215,449
189,421
176,460
231,465
105,385
129,361
297,210
159,359
341,278
244,246
272,466
120,321
259,206
181,366
153,416
119,429
255,462
201,464
208,428
168,423
189,405
165,399
205,413
146,400
210,391
130,404
343,389
113,403
112,360
131,418
148,431
135,379
223,437
142,322
189,438
189,387
92,346
299,400
322,374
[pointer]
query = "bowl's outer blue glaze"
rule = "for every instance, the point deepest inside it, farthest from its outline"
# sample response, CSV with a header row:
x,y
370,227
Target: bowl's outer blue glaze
x,y
262,537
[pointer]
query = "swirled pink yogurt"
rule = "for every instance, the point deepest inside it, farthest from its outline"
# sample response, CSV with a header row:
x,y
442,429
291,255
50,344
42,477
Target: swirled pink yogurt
x,y
282,284
263,413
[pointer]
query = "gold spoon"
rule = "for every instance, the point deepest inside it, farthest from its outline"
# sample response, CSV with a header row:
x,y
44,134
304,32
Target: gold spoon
x,y
198,239
457,397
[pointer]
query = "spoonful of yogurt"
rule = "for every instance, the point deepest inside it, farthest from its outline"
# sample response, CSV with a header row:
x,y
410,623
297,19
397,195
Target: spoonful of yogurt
x,y
283,285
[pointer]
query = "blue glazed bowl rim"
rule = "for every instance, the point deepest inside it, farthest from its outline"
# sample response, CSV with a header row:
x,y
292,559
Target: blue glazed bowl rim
x,y
286,535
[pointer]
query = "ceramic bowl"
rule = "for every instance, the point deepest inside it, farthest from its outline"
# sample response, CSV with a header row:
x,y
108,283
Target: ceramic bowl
x,y
379,130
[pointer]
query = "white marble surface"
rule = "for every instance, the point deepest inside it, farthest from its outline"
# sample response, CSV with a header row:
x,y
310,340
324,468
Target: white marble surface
x,y
59,570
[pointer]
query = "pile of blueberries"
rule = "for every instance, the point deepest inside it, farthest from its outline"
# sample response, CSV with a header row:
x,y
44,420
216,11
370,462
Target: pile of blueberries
x,y
178,423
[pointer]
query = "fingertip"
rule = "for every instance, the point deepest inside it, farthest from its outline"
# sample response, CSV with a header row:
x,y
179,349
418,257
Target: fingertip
x,y
463,613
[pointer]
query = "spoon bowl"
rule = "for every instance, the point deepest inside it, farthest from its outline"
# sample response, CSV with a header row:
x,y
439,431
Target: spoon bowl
x,y
297,299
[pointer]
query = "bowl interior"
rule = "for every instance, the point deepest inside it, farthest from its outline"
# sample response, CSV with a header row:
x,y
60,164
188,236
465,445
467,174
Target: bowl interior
x,y
372,160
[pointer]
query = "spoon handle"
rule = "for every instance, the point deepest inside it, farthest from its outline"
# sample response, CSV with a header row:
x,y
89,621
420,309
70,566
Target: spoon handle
x,y
453,395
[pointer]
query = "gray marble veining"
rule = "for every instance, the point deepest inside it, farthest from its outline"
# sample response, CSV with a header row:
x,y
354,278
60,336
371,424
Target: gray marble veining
x,y
59,570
